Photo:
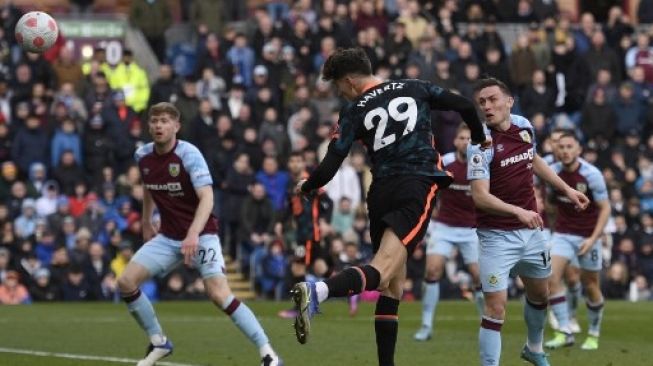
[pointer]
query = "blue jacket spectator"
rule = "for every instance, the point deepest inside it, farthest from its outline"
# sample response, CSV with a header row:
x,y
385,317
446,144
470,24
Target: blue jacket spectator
x,y
274,181
242,57
65,139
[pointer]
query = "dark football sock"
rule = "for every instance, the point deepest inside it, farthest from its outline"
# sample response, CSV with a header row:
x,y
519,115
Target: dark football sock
x,y
386,325
353,280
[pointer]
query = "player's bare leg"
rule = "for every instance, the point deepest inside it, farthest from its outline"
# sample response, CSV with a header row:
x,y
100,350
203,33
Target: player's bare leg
x,y
387,262
594,303
386,319
479,300
219,292
431,295
141,309
537,294
574,293
563,336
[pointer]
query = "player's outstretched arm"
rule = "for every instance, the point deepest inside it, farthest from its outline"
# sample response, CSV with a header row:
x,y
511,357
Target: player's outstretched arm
x,y
442,99
325,171
542,169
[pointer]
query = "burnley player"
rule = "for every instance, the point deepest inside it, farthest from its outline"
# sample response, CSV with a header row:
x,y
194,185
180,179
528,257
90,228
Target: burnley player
x,y
572,273
178,183
393,120
508,224
577,235
454,227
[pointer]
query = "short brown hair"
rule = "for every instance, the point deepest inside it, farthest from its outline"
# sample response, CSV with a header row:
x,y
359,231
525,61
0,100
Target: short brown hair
x,y
489,82
164,107
462,127
346,61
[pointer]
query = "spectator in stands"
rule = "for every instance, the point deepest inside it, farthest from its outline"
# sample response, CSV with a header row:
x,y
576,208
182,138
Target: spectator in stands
x,y
76,286
343,216
5,262
630,112
43,289
241,57
273,271
46,204
30,144
275,182
12,292
129,77
257,219
67,68
598,117
208,14
615,285
119,117
152,17
98,147
164,86
522,63
188,104
26,222
96,267
65,138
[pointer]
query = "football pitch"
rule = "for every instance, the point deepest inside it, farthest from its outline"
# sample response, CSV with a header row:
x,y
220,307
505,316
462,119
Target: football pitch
x,y
105,334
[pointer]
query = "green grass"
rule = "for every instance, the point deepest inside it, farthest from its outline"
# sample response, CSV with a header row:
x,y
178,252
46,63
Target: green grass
x,y
204,336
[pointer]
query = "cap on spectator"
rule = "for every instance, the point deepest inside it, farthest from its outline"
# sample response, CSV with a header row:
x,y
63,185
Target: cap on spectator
x,y
288,49
260,70
534,26
62,201
270,47
41,221
12,274
118,95
42,272
51,185
28,202
68,220
92,196
96,121
4,252
633,132
124,245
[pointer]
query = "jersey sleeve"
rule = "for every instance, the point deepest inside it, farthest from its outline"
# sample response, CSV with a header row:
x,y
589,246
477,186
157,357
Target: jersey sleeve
x,y
345,133
524,123
196,166
448,158
597,184
442,99
478,162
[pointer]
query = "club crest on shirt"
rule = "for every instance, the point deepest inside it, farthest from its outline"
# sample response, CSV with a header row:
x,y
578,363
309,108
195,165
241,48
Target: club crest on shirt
x,y
146,171
525,136
493,280
581,187
499,147
173,169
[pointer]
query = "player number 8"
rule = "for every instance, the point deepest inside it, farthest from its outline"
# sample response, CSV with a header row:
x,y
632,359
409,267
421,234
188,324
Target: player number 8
x,y
409,114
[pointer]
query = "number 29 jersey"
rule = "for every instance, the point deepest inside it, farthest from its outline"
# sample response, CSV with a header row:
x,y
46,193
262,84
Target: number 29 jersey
x,y
393,120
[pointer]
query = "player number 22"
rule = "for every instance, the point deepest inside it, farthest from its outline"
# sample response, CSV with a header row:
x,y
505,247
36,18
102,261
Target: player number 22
x,y
409,115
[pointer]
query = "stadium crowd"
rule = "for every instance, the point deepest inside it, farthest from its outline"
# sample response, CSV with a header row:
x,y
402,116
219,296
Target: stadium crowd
x,y
252,102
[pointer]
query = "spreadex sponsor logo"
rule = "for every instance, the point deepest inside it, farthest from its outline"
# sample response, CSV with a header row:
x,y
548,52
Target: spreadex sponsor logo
x,y
460,187
528,155
378,91
172,187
